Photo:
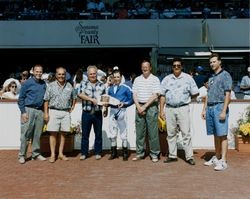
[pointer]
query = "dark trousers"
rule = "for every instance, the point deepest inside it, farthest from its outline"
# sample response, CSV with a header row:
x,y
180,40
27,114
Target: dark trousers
x,y
88,120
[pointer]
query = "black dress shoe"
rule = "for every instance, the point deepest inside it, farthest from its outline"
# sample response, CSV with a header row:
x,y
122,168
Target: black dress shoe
x,y
191,162
169,160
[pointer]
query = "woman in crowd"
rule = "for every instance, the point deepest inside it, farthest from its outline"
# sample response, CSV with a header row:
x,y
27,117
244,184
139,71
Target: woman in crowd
x,y
11,92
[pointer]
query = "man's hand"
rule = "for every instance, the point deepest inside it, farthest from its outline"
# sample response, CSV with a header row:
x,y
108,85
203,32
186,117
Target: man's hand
x,y
24,117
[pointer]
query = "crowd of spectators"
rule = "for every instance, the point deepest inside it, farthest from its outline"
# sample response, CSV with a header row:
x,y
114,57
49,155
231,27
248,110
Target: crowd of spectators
x,y
121,9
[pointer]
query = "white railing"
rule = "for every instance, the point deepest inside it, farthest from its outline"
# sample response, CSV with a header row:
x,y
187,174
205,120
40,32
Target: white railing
x,y
10,126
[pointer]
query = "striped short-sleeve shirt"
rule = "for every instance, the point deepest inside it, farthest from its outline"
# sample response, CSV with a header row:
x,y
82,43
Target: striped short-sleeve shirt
x,y
146,87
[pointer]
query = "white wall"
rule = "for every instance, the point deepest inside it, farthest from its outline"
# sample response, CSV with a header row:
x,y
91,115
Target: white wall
x,y
10,126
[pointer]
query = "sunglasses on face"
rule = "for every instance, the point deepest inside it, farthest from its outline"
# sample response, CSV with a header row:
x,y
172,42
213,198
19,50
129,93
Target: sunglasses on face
x,y
176,66
13,86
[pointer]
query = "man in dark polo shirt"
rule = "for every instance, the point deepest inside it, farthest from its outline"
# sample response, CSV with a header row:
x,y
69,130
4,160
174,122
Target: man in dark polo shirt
x,y
216,112
30,103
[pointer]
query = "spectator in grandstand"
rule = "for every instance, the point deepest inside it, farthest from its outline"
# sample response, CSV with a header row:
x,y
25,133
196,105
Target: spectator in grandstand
x,y
89,92
59,102
245,84
117,117
146,102
154,12
177,89
216,111
30,103
121,12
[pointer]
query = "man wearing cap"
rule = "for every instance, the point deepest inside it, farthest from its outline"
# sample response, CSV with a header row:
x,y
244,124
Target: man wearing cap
x,y
245,84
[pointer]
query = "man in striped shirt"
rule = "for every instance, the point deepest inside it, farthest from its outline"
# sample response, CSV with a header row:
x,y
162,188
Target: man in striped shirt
x,y
146,90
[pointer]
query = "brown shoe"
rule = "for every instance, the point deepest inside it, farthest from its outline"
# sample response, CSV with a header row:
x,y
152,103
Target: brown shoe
x,y
63,157
52,159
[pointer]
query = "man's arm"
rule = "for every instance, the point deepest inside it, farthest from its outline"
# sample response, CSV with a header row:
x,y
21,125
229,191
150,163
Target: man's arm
x,y
87,98
203,113
162,104
225,106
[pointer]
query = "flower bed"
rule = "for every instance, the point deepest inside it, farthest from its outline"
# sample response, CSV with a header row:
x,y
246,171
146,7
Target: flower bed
x,y
242,132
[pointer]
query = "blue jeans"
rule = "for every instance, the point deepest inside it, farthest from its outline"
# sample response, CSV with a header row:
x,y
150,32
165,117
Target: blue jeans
x,y
88,120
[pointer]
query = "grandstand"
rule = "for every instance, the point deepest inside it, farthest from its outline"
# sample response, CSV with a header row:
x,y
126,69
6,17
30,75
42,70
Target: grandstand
x,y
69,37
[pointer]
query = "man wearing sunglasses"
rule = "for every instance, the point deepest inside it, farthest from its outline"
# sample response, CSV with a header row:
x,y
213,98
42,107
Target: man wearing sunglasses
x,y
177,89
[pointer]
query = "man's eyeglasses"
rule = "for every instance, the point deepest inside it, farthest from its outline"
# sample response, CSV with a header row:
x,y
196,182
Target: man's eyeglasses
x,y
176,66
13,86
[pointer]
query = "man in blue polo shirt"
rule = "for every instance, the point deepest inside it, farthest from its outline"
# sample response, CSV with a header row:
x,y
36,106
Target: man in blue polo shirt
x,y
30,103
216,112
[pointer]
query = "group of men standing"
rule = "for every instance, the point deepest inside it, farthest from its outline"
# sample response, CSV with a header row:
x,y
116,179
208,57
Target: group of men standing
x,y
168,99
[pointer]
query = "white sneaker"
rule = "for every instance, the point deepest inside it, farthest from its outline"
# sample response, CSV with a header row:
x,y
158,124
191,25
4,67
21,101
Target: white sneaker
x,y
154,160
39,157
98,157
21,160
222,165
83,157
212,161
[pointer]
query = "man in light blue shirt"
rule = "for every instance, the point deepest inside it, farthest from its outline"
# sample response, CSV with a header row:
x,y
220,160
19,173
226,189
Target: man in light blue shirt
x,y
176,92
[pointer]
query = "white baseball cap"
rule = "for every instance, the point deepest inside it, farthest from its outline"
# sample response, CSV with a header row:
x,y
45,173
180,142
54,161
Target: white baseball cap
x,y
115,68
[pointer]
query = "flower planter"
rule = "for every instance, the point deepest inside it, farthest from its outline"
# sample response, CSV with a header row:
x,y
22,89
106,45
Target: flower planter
x,y
68,146
242,143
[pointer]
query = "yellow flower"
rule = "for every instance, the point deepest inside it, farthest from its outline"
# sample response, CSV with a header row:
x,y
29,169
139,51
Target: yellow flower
x,y
245,128
244,123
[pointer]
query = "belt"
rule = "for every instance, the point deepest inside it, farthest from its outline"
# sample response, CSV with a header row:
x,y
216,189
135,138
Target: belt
x,y
213,103
113,106
35,107
176,106
65,109
153,104
92,111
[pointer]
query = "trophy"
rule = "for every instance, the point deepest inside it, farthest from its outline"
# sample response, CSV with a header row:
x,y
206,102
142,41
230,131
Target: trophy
x,y
105,99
